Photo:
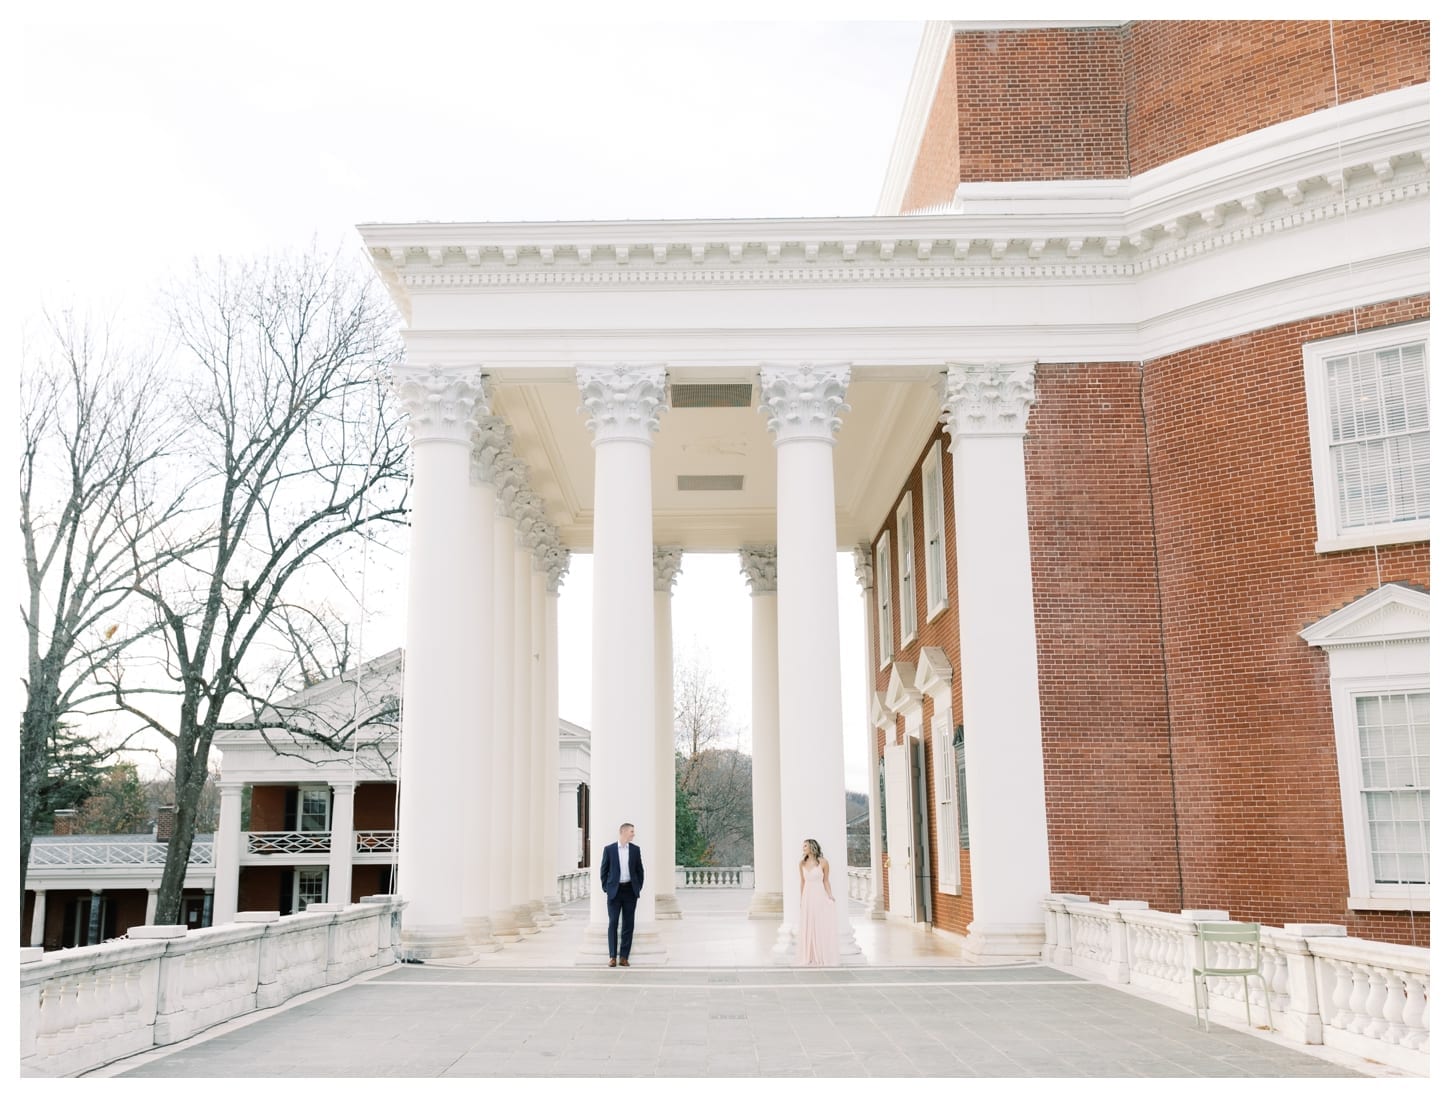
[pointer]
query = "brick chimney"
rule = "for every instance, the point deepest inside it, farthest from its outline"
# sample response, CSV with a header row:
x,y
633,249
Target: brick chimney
x,y
165,822
65,821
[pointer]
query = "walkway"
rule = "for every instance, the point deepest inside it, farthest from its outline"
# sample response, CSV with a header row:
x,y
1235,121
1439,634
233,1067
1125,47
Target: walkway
x,y
719,1008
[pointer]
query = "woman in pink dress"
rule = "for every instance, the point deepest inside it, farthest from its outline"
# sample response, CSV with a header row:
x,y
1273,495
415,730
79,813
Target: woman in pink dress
x,y
818,943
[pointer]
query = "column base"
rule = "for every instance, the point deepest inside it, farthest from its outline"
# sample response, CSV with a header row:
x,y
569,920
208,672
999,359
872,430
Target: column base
x,y
433,943
766,905
875,908
505,924
646,948
478,929
1004,943
667,906
524,919
554,910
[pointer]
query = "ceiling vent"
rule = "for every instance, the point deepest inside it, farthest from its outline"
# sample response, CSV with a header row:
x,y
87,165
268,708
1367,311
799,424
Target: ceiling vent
x,y
709,396
710,483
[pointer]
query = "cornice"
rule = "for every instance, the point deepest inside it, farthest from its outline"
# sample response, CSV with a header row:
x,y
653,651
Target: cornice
x,y
1368,153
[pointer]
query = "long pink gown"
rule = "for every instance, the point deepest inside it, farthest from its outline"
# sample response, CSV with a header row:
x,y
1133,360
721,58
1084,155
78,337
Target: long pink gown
x,y
817,943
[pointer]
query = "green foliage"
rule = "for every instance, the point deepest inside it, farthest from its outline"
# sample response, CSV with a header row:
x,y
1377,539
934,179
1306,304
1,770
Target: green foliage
x,y
119,806
74,769
689,843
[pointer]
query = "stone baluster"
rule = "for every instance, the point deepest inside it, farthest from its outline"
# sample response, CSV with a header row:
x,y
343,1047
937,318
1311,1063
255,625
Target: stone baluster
x,y
1393,1009
1417,1011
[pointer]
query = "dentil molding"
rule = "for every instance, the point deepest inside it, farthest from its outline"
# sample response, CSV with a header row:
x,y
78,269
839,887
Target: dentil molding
x,y
802,401
624,402
667,566
757,565
440,402
986,399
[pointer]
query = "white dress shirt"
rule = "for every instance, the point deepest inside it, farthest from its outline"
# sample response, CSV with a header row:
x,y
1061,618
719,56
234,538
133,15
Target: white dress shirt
x,y
623,862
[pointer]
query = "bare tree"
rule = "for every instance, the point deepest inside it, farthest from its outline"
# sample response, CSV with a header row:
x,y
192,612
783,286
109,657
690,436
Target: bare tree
x,y
95,435
300,457
713,775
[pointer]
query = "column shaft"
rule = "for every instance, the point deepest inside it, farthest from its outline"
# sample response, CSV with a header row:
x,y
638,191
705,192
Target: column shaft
x,y
759,565
552,829
876,896
227,851
523,833
37,918
667,568
504,830
342,843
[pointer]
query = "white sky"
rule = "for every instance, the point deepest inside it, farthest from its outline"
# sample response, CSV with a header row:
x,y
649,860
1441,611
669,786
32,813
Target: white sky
x,y
153,133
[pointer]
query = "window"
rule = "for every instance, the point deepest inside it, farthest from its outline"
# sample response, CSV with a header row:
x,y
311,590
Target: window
x,y
1379,682
1369,430
883,599
948,853
1394,753
934,518
312,810
906,567
960,754
310,887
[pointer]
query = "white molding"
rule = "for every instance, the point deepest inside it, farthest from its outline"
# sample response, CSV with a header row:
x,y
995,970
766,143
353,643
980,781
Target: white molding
x,y
901,692
934,676
1389,613
937,39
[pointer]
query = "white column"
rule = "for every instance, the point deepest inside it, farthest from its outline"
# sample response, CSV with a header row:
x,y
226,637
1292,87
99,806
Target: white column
x,y
152,898
624,404
437,705
758,565
475,824
504,829
558,828
876,896
227,850
543,885
341,844
803,402
667,570
527,511
986,410
37,916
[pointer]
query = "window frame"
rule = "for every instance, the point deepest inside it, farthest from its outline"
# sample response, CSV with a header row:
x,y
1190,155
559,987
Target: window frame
x,y
321,871
303,792
1330,538
933,495
885,649
906,569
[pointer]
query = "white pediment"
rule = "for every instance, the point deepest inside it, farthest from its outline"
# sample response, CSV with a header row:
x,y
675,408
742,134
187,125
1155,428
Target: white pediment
x,y
901,691
882,717
1389,614
934,673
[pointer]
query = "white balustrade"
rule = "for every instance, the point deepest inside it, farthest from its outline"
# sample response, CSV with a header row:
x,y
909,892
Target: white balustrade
x,y
1371,999
288,842
717,876
375,842
84,1007
121,852
858,884
575,885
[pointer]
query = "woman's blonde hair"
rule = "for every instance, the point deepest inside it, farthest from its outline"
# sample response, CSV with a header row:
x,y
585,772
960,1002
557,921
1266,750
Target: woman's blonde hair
x,y
815,851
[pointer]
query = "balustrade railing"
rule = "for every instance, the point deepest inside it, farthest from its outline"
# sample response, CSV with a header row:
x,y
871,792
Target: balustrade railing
x,y
575,885
1371,999
714,876
288,842
375,842
84,1007
858,884
139,852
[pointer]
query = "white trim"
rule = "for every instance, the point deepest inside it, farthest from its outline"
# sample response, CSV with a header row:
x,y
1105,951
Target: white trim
x,y
906,567
937,600
885,628
1326,503
937,39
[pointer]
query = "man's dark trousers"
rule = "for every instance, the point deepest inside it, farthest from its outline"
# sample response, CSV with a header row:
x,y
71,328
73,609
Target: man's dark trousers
x,y
621,910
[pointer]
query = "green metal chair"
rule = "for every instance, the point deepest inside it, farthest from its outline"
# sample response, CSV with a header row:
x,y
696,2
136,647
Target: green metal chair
x,y
1243,934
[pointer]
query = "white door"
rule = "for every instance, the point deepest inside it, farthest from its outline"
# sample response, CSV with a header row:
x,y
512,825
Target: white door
x,y
900,832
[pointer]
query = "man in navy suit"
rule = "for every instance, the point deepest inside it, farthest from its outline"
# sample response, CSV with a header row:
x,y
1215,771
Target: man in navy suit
x,y
621,871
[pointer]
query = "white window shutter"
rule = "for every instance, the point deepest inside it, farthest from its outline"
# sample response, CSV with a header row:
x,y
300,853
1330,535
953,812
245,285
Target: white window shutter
x,y
948,864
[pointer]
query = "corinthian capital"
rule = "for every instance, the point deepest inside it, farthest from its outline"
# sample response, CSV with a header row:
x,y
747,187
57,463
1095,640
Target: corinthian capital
x,y
803,401
861,555
557,568
757,565
440,402
490,445
528,514
545,541
624,402
667,566
510,477
988,398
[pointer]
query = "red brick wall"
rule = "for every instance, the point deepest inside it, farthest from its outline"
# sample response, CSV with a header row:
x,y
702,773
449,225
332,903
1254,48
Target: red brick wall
x,y
934,176
259,887
1253,734
372,807
1101,103
269,810
949,912
1099,655
1193,84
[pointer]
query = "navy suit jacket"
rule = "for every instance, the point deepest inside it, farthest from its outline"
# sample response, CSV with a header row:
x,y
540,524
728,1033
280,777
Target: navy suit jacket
x,y
609,869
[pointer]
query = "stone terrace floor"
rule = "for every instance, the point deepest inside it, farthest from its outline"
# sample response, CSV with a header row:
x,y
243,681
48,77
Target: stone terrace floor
x,y
720,1008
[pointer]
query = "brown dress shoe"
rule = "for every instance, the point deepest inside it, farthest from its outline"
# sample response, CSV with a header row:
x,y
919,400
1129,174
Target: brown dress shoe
x,y
624,962
613,962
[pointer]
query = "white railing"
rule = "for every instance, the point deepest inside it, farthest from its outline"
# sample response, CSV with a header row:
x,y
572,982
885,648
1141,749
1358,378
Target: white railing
x,y
138,852
375,842
858,884
1368,998
714,876
80,1008
574,886
288,842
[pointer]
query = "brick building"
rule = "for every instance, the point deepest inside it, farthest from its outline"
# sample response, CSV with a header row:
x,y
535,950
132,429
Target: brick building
x,y
1229,530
